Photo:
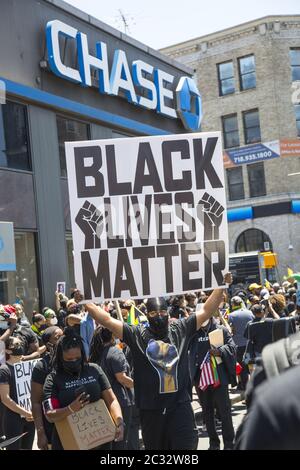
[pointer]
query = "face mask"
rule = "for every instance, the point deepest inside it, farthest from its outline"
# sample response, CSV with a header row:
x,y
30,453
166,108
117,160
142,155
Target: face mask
x,y
72,367
159,325
17,351
53,321
42,327
4,325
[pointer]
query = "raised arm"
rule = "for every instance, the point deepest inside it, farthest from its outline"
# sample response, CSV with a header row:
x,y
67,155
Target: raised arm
x,y
212,303
102,317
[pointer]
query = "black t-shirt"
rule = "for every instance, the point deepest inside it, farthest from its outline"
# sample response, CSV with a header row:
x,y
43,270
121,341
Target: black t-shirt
x,y
161,372
41,370
274,419
113,361
260,332
64,386
7,376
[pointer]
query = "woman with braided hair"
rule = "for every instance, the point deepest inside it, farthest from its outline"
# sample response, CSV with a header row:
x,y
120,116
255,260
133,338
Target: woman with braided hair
x,y
74,383
112,360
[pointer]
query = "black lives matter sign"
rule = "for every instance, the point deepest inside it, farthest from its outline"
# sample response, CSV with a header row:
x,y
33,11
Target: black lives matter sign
x,y
148,215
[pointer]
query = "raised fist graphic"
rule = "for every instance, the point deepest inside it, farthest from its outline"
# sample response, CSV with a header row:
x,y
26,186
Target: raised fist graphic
x,y
211,212
90,221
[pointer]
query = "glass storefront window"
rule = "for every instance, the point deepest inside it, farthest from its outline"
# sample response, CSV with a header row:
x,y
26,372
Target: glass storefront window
x,y
23,283
14,140
69,131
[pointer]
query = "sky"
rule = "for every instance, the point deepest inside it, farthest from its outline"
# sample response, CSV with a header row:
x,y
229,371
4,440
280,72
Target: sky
x,y
161,23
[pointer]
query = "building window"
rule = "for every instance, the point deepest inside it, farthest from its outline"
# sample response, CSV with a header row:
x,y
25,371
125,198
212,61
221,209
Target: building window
x,y
226,78
256,176
69,131
235,183
70,261
253,240
297,111
230,131
295,63
247,72
251,126
22,284
14,139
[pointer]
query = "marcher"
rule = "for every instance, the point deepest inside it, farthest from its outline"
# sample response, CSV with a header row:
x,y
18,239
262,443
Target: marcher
x,y
112,360
191,300
161,382
214,395
238,320
41,369
74,383
61,309
50,316
38,326
16,419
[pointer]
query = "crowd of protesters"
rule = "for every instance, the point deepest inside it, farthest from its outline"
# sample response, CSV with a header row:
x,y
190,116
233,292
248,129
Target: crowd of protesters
x,y
143,357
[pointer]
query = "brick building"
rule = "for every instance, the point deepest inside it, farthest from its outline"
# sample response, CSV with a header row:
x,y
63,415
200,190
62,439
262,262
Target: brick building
x,y
249,78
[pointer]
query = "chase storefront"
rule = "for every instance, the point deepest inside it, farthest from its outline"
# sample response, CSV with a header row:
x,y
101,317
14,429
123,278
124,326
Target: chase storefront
x,y
65,76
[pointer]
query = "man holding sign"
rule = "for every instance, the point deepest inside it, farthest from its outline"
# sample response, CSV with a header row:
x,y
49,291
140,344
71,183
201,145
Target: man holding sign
x,y
161,373
149,220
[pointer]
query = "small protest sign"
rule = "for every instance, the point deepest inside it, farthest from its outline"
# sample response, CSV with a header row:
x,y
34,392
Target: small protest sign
x,y
23,373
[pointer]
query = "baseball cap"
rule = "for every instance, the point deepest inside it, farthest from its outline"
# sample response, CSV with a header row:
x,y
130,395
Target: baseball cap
x,y
237,300
254,286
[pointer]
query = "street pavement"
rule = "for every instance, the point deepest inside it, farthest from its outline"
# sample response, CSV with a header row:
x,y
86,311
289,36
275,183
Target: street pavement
x,y
238,412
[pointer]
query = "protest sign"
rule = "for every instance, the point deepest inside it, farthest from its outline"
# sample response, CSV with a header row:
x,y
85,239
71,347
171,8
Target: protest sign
x,y
23,373
61,288
148,215
88,428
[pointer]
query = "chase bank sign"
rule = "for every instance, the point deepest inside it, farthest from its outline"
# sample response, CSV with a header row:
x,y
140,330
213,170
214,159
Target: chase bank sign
x,y
141,83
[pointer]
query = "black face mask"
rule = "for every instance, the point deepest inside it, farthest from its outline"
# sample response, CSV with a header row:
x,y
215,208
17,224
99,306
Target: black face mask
x,y
73,367
18,351
159,325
